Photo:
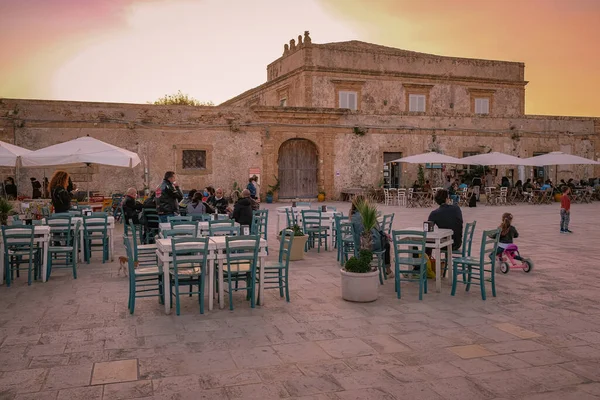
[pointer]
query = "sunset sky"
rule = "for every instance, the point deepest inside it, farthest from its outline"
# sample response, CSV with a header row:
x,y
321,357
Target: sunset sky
x,y
139,50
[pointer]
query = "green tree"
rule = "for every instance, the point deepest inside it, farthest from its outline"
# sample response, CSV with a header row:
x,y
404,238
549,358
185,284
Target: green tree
x,y
181,99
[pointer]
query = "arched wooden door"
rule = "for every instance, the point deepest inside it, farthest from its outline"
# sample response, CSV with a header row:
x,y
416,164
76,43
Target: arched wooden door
x,y
298,164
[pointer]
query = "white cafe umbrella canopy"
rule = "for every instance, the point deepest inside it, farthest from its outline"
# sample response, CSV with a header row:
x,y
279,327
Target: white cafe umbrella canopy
x,y
9,154
82,151
559,158
494,158
429,158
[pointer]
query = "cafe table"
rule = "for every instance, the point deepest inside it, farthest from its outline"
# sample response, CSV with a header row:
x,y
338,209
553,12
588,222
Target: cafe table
x,y
41,236
327,219
437,240
216,250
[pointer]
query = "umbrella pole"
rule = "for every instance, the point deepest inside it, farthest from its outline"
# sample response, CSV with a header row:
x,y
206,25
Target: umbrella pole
x,y
88,183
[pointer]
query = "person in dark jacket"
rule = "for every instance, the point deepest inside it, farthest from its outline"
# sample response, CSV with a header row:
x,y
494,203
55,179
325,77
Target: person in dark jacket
x,y
169,198
10,188
218,201
242,211
507,233
36,185
448,217
61,199
131,207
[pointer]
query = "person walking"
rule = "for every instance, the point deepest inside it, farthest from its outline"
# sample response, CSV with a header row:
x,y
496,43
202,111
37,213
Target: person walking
x,y
169,198
36,185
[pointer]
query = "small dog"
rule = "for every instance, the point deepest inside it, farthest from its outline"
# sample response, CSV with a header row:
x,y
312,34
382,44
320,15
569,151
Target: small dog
x,y
124,265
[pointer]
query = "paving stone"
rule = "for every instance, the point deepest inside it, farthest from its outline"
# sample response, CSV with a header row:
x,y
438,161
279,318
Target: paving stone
x,y
364,394
308,385
50,395
459,388
587,369
506,383
471,351
164,386
255,357
128,390
590,337
517,331
540,357
257,392
476,366
348,347
81,393
68,376
46,349
23,381
507,361
49,361
228,378
551,377
514,346
300,352
384,344
115,371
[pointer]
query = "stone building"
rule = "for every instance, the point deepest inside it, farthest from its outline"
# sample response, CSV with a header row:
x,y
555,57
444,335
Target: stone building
x,y
329,117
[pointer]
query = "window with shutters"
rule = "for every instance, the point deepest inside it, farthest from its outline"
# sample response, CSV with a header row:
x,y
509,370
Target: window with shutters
x,y
416,102
482,105
348,99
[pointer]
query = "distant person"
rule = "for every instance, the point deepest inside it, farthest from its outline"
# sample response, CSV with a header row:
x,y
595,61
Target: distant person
x,y
61,200
169,198
218,202
448,217
36,185
196,207
188,200
476,183
527,185
10,188
448,183
462,185
251,188
131,207
427,187
489,179
242,210
565,210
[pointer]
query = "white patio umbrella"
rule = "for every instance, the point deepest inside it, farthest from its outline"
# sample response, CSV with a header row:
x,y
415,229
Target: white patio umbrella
x,y
494,158
10,157
559,158
429,158
81,151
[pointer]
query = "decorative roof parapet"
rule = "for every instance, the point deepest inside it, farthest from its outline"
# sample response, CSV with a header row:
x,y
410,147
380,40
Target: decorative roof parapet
x,y
293,47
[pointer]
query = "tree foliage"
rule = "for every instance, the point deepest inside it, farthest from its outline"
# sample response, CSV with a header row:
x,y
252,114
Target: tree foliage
x,y
181,99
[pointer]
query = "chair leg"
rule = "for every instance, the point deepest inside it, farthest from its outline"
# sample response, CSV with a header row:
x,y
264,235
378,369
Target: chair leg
x,y
493,275
74,262
397,280
482,282
177,305
230,293
454,277
201,292
280,283
469,276
287,290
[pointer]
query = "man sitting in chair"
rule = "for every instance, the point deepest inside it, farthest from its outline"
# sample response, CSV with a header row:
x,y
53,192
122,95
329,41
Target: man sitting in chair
x,y
448,216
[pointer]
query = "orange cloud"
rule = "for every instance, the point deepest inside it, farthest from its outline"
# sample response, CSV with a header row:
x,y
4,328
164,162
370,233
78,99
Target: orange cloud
x,y
556,39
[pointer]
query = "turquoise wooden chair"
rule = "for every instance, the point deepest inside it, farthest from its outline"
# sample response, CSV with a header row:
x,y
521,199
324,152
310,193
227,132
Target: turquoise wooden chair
x,y
241,261
144,281
223,228
179,232
202,217
95,235
465,249
277,273
188,269
303,204
63,248
144,254
189,225
344,237
291,217
187,218
151,224
476,267
260,222
19,249
386,224
312,226
407,245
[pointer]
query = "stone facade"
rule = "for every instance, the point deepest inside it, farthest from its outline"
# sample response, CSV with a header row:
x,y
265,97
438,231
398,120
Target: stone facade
x,y
246,132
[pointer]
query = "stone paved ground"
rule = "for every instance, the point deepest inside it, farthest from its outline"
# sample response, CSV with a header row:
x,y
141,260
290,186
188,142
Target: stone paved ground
x,y
539,339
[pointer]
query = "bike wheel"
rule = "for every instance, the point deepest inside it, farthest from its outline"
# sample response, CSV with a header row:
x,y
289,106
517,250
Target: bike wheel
x,y
527,265
504,268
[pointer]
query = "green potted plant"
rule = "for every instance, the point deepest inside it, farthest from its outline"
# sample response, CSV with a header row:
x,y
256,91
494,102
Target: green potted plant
x,y
321,196
360,280
272,190
297,250
6,208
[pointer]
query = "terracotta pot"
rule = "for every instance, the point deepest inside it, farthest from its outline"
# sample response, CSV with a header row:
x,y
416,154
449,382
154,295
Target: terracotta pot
x,y
297,250
321,197
361,288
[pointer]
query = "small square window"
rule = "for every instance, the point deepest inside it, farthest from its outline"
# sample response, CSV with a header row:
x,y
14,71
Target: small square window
x,y
416,102
283,102
482,105
348,100
193,159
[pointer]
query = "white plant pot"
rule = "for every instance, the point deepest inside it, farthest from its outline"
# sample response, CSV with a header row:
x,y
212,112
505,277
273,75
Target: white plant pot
x,y
360,288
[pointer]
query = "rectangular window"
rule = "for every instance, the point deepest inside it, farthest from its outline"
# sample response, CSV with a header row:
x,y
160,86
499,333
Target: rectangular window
x,y
348,100
283,102
193,159
416,102
482,105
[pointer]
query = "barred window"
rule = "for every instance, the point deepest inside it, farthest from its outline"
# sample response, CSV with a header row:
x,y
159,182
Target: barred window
x,y
194,159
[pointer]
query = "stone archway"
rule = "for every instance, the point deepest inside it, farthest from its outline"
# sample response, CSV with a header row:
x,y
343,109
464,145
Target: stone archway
x,y
298,169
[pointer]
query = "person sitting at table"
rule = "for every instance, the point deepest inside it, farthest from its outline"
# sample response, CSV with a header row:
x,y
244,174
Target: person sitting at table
x,y
519,186
462,185
427,187
448,217
131,207
242,211
547,185
187,200
527,185
505,182
10,188
416,186
218,201
61,199
196,207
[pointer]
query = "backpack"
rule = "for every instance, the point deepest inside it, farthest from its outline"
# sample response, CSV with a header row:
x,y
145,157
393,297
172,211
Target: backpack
x,y
473,200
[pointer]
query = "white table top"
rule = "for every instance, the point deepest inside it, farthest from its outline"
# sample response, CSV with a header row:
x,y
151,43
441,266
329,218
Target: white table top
x,y
202,225
214,242
38,229
282,209
436,234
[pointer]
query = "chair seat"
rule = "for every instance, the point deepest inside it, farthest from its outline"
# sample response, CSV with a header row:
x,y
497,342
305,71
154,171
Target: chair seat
x,y
409,261
147,271
466,260
146,247
56,249
273,266
241,267
187,272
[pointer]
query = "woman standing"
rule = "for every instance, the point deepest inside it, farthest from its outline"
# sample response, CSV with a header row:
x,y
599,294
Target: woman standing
x,y
10,188
61,200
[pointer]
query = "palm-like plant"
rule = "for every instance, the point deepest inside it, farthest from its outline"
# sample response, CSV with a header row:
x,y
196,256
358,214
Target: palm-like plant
x,y
5,209
368,213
